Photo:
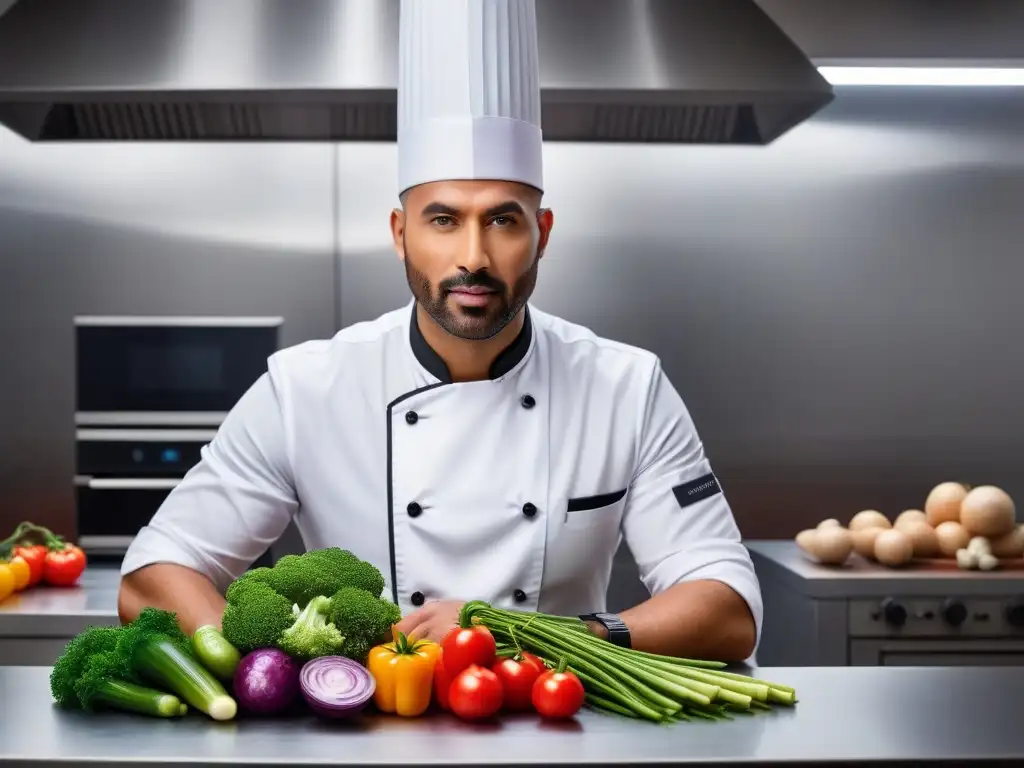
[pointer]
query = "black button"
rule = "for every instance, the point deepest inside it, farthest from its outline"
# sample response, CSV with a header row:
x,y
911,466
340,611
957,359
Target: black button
x,y
417,598
412,417
519,595
527,401
529,509
414,509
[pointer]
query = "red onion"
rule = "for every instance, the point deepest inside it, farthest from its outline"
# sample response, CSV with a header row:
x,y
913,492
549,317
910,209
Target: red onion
x,y
335,686
266,681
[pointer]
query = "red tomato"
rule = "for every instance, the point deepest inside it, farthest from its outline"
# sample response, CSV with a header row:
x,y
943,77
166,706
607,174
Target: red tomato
x,y
558,694
517,679
62,567
442,682
35,556
475,693
463,647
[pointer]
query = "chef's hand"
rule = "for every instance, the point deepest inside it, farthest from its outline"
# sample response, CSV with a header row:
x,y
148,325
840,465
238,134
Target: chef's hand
x,y
432,621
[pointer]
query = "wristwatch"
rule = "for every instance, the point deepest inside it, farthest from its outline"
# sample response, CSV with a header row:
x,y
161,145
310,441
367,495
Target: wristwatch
x,y
618,632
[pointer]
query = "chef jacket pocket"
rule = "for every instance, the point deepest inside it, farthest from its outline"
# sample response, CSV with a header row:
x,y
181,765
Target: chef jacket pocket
x,y
584,511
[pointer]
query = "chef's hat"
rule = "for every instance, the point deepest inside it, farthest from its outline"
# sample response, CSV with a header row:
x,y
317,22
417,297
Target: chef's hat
x,y
468,92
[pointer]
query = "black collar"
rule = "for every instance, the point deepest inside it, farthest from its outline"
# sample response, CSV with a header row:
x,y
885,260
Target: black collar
x,y
508,359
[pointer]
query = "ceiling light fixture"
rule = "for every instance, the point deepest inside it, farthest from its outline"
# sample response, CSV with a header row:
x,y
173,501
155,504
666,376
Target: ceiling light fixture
x,y
948,77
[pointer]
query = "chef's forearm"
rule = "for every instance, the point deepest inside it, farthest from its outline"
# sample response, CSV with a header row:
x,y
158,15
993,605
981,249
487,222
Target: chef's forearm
x,y
699,620
176,588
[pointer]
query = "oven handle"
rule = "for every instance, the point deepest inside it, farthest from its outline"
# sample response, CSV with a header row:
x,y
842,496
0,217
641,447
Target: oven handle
x,y
129,483
145,435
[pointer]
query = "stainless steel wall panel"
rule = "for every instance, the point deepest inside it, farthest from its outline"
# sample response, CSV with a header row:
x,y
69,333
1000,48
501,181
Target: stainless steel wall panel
x,y
840,310
141,229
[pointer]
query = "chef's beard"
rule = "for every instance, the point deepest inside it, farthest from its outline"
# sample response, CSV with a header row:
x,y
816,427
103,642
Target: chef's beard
x,y
472,323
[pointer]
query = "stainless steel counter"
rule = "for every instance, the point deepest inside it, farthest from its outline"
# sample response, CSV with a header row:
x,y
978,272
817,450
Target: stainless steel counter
x,y
844,714
36,624
783,560
866,614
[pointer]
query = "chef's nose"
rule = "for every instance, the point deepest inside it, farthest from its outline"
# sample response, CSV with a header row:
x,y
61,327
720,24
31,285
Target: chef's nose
x,y
474,256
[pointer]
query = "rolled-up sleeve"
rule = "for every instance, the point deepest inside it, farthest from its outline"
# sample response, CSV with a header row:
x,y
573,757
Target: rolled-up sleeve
x,y
234,503
677,521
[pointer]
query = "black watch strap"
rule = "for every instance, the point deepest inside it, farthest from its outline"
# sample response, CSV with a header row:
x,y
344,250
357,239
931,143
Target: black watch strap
x,y
618,632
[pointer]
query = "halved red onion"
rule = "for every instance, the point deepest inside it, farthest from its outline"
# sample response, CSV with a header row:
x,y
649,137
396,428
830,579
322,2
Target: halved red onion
x,y
336,686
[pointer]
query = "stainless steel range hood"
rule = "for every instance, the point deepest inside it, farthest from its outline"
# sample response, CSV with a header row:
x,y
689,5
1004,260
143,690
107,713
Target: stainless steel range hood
x,y
680,71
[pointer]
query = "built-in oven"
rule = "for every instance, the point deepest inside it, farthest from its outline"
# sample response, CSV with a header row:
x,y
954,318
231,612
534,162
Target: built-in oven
x,y
167,370
151,392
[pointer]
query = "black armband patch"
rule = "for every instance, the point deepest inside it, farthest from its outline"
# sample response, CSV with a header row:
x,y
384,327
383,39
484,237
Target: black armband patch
x,y
697,490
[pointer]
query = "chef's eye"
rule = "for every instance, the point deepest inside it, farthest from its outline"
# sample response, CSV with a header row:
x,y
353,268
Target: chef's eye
x,y
443,221
504,220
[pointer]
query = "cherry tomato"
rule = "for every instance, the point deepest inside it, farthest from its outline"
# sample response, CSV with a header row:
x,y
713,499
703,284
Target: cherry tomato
x,y
517,677
35,556
465,646
62,567
557,694
442,683
475,693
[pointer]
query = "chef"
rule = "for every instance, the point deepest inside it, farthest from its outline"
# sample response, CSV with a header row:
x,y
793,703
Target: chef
x,y
469,444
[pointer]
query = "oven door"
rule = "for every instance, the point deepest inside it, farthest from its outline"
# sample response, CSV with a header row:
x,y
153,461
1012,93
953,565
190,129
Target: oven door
x,y
168,370
122,478
963,652
112,510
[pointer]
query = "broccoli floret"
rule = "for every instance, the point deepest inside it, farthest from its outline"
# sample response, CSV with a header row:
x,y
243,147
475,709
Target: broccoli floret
x,y
348,570
255,616
74,661
321,573
151,623
363,618
255,576
312,635
290,605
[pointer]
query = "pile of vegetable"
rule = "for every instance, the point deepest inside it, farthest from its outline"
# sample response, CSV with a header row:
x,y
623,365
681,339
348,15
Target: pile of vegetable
x,y
34,555
326,602
477,678
314,629
613,680
147,667
975,526
299,630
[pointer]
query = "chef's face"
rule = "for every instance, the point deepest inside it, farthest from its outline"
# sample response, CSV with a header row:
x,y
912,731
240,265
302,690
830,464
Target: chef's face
x,y
471,251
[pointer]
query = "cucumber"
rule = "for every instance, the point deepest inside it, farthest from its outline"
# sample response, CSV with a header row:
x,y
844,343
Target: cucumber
x,y
174,670
215,652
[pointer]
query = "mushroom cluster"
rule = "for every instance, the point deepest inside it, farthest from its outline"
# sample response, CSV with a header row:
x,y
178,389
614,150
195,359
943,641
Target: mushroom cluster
x,y
975,526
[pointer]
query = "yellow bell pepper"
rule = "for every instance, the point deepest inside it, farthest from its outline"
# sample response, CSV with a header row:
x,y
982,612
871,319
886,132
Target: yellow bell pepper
x,y
21,572
404,673
6,581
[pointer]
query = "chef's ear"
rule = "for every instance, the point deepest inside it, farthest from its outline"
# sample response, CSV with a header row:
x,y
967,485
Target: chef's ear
x,y
398,232
545,221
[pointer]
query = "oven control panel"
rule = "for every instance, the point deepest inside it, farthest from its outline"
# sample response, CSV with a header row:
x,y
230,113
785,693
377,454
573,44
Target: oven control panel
x,y
937,616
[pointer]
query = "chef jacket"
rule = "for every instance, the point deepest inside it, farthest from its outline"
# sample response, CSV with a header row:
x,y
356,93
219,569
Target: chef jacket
x,y
517,489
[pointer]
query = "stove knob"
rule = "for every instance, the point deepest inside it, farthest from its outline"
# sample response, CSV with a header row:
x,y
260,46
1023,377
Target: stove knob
x,y
893,612
954,612
1015,614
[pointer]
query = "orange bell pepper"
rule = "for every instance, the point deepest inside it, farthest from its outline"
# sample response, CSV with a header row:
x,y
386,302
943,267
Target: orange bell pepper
x,y
404,673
